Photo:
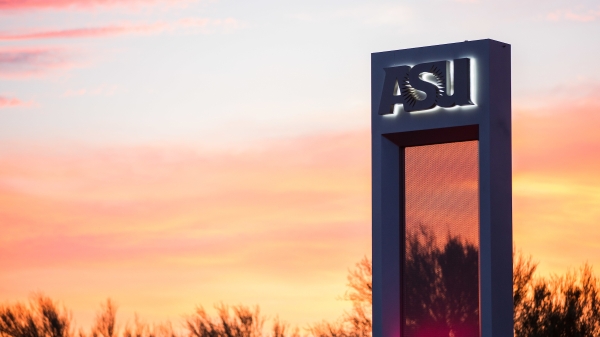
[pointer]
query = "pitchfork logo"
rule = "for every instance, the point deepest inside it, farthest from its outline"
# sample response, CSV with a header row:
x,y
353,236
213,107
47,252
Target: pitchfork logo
x,y
427,85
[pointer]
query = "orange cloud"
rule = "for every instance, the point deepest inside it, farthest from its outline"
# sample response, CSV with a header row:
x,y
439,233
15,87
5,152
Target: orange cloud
x,y
556,183
162,229
273,225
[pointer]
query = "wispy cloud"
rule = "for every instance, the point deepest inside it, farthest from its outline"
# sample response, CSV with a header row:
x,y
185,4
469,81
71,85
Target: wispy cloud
x,y
27,62
207,25
577,14
20,62
379,15
8,102
86,32
77,4
201,25
101,90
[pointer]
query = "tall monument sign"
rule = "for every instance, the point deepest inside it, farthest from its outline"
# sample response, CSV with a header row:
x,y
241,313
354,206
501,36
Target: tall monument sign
x,y
442,217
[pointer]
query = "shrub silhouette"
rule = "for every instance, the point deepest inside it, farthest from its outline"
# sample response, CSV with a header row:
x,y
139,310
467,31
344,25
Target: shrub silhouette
x,y
105,324
41,317
244,322
141,328
559,306
357,322
556,306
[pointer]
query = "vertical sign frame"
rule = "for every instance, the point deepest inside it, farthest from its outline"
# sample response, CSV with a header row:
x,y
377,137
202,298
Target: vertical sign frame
x,y
488,120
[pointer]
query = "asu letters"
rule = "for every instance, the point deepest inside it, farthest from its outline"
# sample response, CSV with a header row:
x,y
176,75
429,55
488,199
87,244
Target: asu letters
x,y
408,86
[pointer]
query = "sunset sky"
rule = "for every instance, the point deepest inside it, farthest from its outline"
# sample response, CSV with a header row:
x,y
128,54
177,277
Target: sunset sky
x,y
169,154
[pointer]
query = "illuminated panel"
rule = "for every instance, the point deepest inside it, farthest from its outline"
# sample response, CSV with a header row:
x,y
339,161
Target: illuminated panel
x,y
441,251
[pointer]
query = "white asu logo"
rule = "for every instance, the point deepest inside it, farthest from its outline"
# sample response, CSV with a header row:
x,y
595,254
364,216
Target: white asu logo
x,y
408,86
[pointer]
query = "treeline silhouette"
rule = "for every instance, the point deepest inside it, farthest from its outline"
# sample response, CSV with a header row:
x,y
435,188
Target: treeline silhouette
x,y
555,306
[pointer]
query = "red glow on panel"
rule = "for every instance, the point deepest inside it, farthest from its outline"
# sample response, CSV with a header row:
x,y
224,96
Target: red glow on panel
x,y
441,276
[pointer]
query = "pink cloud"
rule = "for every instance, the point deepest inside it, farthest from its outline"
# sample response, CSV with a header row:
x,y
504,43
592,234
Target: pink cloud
x,y
71,92
204,24
20,62
8,102
26,62
574,15
86,32
227,23
552,139
79,4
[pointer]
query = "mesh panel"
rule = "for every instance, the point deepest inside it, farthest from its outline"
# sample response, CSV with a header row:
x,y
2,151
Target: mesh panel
x,y
441,260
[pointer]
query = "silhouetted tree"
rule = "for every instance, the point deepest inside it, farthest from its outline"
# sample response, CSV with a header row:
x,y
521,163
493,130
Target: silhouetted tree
x,y
360,292
245,322
556,306
140,328
236,321
559,306
105,324
283,329
41,317
357,322
523,277
331,329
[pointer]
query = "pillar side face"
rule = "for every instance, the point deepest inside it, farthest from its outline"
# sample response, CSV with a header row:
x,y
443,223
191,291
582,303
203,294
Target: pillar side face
x,y
471,105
